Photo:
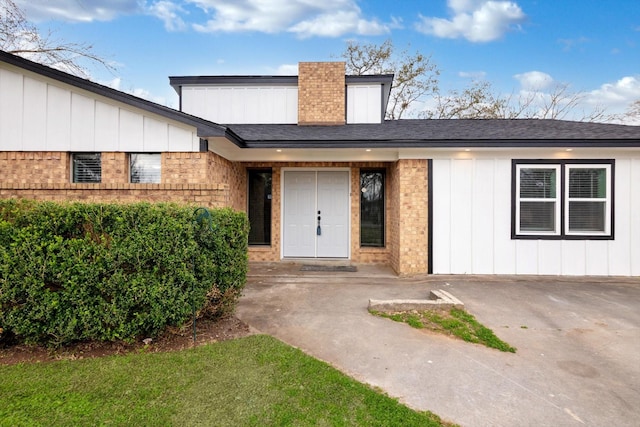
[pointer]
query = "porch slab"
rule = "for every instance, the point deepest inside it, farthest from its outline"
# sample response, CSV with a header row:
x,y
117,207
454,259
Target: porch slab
x,y
438,300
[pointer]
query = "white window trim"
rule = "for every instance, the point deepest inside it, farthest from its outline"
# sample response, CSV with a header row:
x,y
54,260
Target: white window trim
x,y
606,199
557,199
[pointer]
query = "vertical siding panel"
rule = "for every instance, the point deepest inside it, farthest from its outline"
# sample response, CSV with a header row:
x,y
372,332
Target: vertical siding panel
x,y
106,127
180,139
11,108
156,136
634,231
504,248
620,248
238,102
549,257
483,217
292,105
441,252
58,119
35,114
363,103
461,213
82,123
597,257
574,257
251,113
527,256
131,129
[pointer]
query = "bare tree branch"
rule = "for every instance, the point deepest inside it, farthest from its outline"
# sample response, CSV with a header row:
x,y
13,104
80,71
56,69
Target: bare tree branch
x,y
414,75
19,37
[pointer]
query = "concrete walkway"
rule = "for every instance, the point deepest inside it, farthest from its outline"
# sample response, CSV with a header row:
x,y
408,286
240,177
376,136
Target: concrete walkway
x,y
578,341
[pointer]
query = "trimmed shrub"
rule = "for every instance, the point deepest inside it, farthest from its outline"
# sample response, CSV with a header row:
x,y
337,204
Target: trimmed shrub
x,y
75,271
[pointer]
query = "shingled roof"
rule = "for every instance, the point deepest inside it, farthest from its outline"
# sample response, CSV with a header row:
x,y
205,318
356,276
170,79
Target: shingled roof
x,y
440,133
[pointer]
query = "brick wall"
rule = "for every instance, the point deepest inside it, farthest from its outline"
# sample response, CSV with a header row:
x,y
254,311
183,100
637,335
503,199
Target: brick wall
x,y
200,194
183,168
358,254
321,93
46,176
409,217
220,169
20,167
115,168
207,179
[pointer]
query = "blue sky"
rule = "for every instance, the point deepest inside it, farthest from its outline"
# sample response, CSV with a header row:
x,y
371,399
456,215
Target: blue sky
x,y
520,45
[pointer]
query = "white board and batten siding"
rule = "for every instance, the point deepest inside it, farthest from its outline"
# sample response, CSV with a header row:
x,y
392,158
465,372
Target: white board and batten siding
x,y
277,104
242,104
40,114
472,225
364,104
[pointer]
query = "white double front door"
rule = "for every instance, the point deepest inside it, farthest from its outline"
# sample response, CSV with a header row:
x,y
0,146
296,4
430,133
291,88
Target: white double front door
x,y
316,214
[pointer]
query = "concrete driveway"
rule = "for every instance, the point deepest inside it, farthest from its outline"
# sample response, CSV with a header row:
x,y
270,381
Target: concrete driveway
x,y
578,341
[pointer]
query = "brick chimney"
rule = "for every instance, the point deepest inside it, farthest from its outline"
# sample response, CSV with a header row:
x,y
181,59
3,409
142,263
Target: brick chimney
x,y
321,93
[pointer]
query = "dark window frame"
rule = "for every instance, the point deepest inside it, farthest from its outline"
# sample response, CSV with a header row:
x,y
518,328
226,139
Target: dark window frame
x,y
75,167
268,216
382,231
563,198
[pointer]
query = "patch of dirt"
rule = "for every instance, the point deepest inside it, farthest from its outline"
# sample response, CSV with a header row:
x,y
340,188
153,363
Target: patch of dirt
x,y
174,339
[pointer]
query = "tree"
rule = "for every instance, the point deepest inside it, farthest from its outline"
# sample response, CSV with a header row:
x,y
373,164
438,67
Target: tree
x,y
633,113
480,101
20,37
416,78
415,75
475,102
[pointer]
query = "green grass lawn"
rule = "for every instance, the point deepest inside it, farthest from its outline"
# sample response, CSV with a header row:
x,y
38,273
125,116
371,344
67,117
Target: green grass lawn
x,y
253,381
454,322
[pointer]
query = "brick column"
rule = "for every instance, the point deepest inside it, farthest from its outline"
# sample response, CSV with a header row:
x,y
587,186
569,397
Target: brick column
x,y
409,222
321,93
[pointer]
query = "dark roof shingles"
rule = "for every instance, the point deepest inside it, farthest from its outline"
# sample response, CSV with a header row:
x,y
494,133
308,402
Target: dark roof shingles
x,y
429,132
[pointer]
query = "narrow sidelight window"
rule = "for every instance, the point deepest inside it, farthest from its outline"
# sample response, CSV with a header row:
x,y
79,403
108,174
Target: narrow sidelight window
x,y
372,208
144,168
87,168
259,208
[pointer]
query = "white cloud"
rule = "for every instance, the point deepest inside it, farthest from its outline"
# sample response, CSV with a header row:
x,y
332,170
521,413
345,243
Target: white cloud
x,y
337,23
617,95
77,10
534,80
167,11
475,20
305,18
475,75
287,70
329,18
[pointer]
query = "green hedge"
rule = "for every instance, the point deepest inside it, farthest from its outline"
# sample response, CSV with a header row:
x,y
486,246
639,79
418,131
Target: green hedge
x,y
74,271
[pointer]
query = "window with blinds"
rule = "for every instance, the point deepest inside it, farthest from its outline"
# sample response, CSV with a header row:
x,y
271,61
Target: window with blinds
x,y
538,199
588,199
563,199
87,168
144,168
